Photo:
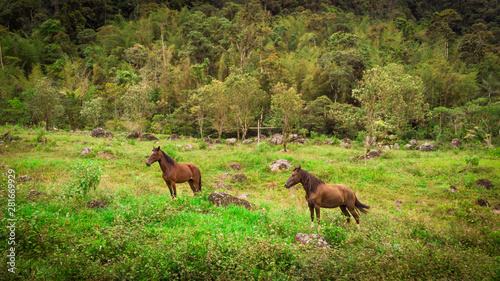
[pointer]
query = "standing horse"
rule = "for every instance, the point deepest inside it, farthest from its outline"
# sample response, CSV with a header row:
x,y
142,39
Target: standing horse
x,y
322,195
174,172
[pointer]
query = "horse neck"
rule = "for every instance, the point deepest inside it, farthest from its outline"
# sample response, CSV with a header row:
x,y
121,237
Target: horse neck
x,y
164,165
307,186
307,180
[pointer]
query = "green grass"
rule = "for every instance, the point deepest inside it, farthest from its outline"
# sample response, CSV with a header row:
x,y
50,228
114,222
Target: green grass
x,y
143,234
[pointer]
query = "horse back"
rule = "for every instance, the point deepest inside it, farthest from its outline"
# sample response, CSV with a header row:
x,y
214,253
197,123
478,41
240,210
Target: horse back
x,y
334,195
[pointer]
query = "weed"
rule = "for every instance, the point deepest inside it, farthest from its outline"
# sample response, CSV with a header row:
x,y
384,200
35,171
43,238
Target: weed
x,y
86,177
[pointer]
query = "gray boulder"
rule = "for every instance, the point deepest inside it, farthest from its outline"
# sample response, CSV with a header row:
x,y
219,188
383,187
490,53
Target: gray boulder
x,y
224,199
314,240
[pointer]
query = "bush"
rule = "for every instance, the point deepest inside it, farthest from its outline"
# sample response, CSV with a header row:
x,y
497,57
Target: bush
x,y
114,125
86,177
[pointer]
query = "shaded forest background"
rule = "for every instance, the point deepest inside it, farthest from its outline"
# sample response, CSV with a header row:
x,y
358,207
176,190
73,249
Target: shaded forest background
x,y
418,69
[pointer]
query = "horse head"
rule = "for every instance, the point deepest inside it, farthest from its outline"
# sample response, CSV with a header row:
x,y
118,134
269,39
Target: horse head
x,y
155,156
294,178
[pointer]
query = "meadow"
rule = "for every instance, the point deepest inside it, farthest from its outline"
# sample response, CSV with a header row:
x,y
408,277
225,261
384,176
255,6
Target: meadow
x,y
417,228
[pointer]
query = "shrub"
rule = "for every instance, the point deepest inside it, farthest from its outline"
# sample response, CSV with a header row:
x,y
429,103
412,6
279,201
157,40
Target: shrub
x,y
86,177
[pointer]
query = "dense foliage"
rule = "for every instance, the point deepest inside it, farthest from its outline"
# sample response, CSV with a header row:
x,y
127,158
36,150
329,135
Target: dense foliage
x,y
168,66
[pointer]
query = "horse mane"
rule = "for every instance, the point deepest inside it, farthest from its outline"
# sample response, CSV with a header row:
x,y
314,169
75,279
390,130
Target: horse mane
x,y
309,181
168,158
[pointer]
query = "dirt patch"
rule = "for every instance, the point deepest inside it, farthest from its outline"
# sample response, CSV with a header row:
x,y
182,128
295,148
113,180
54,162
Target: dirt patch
x,y
96,204
487,184
35,193
482,203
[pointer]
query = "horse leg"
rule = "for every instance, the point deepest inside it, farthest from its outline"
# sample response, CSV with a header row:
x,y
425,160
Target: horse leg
x,y
191,184
318,216
346,213
170,188
175,189
354,214
311,209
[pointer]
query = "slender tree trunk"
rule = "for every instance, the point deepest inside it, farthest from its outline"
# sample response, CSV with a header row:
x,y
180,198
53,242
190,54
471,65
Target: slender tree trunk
x,y
1,60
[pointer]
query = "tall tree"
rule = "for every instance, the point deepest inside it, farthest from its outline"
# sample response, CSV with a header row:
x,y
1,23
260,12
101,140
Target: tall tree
x,y
45,103
286,108
389,94
245,100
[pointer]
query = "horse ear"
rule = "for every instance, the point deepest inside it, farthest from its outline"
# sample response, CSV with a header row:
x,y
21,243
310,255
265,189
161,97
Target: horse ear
x,y
158,148
298,168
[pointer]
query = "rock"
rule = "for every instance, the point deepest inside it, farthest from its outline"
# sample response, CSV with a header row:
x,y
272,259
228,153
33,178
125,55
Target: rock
x,y
239,177
296,138
148,137
346,140
108,135
105,155
212,146
231,141
408,146
247,141
220,184
280,164
86,151
277,139
208,140
187,147
24,178
174,137
452,189
313,240
487,184
414,142
98,133
496,210
260,137
427,146
217,141
387,147
345,145
224,199
236,166
482,203
371,154
96,204
224,176
396,146
243,195
328,141
456,143
36,193
133,135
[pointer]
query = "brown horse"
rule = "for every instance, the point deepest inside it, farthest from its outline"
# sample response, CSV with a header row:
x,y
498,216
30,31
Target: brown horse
x,y
174,172
322,195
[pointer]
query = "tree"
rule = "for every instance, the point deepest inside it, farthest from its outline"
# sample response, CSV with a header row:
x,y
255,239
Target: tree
x,y
92,110
390,95
316,115
137,101
198,107
245,98
286,108
217,101
45,103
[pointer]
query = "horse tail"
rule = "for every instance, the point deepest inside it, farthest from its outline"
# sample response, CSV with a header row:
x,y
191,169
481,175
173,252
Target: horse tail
x,y
360,206
199,188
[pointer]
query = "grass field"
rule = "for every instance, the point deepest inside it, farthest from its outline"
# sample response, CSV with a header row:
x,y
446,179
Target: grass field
x,y
415,229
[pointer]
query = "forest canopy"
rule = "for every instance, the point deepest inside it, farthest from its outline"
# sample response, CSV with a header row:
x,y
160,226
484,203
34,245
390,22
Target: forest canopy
x,y
423,69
